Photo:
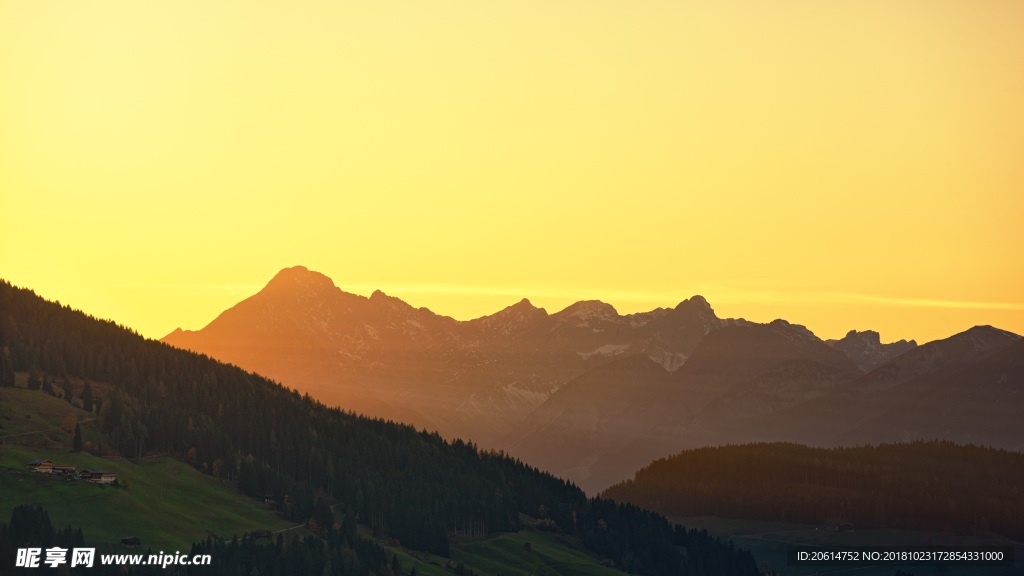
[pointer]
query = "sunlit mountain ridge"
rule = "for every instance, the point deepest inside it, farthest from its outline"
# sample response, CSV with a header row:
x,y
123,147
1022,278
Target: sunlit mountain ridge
x,y
593,395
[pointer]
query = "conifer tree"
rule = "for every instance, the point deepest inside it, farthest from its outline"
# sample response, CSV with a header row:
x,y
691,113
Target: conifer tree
x,y
6,370
76,443
87,397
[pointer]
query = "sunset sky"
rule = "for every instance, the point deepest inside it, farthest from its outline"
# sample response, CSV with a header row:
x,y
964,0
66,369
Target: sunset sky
x,y
839,164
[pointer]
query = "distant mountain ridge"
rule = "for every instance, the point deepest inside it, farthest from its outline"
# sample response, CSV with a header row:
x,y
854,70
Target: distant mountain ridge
x,y
591,394
965,388
866,348
476,378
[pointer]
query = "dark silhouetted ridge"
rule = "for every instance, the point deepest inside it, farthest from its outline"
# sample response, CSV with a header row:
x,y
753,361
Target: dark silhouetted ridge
x,y
930,486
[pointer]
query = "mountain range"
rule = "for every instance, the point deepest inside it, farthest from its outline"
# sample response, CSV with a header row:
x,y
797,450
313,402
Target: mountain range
x,y
361,495
592,395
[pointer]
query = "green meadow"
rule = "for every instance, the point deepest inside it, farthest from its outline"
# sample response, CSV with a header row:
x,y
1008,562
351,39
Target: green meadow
x,y
523,553
165,502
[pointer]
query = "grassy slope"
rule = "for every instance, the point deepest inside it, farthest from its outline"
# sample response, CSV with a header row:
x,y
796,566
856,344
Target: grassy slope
x,y
508,555
34,418
168,503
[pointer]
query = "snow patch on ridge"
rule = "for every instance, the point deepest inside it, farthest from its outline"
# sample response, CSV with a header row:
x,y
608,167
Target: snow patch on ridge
x,y
606,350
670,361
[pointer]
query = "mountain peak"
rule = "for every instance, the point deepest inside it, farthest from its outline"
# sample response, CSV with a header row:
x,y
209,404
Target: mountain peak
x,y
379,300
698,300
174,338
866,350
986,329
512,319
865,336
696,303
300,278
870,338
786,325
521,308
588,309
984,337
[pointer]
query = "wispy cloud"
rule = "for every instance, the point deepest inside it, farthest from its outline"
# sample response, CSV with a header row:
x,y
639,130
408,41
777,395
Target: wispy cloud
x,y
186,289
715,294
934,303
652,298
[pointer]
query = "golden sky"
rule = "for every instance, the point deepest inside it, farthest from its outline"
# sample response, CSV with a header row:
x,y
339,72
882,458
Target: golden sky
x,y
842,165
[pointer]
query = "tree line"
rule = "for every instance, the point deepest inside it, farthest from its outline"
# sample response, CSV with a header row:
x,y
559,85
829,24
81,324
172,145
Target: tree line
x,y
924,485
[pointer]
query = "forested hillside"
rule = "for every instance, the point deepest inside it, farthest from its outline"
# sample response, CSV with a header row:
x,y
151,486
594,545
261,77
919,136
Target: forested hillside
x,y
920,485
410,486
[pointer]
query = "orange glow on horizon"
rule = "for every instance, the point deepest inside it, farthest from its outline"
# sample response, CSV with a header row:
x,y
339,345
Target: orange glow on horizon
x,y
845,166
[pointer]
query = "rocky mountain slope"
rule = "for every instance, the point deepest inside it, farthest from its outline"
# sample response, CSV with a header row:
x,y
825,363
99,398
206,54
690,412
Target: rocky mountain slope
x,y
475,379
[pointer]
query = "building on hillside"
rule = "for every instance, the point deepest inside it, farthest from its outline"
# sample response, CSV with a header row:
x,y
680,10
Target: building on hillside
x,y
44,466
67,469
98,476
